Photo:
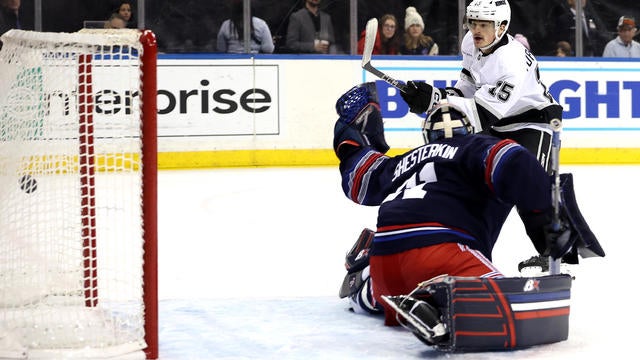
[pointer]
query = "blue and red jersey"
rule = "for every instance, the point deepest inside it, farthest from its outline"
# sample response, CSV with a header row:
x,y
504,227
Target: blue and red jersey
x,y
459,189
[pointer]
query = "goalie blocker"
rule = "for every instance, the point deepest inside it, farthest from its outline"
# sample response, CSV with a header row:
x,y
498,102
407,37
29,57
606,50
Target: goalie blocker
x,y
482,314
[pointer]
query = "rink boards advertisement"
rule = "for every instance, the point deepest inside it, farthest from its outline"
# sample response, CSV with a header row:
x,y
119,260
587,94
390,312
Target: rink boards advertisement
x,y
230,104
601,99
218,100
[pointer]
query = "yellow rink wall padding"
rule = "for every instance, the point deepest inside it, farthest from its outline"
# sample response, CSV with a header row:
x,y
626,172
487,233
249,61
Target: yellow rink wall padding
x,y
326,157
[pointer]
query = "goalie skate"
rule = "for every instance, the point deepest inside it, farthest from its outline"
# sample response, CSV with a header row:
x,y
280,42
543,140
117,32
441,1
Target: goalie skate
x,y
538,265
418,316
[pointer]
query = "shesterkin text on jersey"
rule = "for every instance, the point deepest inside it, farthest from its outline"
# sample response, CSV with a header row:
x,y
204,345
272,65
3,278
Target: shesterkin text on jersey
x,y
422,153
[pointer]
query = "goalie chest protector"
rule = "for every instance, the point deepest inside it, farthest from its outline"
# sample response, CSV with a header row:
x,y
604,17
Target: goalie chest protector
x,y
501,314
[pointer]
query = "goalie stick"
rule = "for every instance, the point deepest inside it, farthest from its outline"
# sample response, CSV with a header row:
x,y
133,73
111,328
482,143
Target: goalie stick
x,y
556,127
369,42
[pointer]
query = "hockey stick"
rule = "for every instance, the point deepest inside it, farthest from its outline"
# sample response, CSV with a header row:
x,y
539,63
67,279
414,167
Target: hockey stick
x,y
556,127
369,42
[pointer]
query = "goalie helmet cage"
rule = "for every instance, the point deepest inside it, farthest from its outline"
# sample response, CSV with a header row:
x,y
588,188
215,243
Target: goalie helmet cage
x,y
78,233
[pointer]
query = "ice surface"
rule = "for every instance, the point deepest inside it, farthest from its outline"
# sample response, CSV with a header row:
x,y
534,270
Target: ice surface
x,y
251,260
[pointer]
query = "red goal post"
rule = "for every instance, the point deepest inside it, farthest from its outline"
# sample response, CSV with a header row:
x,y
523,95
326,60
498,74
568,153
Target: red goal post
x,y
78,184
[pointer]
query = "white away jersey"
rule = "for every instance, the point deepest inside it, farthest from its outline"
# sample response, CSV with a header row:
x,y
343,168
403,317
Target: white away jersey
x,y
504,83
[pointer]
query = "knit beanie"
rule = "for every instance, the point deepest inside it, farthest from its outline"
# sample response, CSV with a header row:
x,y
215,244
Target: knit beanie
x,y
412,18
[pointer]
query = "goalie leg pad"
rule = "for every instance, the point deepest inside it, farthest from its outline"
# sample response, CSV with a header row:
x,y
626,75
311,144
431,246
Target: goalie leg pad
x,y
483,314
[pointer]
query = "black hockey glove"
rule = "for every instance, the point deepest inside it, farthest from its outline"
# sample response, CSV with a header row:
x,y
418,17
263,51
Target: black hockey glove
x,y
421,96
548,242
557,244
559,241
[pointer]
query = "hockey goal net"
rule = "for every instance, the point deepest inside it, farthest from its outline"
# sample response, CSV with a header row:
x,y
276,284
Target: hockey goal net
x,y
78,275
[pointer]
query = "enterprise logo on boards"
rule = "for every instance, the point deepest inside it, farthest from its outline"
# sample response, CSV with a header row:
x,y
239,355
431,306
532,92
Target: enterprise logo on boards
x,y
192,99
218,100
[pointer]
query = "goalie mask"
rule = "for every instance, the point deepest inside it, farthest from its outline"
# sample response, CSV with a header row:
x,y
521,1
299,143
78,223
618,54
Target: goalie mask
x,y
445,120
497,11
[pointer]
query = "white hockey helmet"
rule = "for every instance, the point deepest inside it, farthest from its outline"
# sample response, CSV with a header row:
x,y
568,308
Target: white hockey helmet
x,y
497,11
445,120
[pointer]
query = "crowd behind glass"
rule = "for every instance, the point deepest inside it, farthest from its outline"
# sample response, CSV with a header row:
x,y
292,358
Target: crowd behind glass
x,y
547,27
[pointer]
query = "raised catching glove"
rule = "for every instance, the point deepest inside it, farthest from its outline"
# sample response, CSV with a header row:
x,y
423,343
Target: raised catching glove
x,y
421,96
359,123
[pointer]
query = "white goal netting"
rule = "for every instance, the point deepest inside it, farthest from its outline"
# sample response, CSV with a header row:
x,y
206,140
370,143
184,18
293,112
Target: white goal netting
x,y
71,187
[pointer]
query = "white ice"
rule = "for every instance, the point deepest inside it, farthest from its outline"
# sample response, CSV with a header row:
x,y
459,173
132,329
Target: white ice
x,y
251,259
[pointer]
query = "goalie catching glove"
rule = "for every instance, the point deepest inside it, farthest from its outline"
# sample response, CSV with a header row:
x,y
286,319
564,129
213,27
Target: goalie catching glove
x,y
421,97
360,122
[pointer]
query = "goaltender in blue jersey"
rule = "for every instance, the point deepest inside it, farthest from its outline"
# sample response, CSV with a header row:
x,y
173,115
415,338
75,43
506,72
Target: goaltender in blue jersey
x,y
456,189
441,205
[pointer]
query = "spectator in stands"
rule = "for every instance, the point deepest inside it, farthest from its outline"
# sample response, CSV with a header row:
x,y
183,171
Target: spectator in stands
x,y
125,10
563,49
415,41
115,22
523,40
623,45
310,30
231,33
9,15
593,34
387,39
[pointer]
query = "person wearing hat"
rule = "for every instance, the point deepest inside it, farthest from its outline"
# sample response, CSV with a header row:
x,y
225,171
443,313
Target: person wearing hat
x,y
623,46
415,41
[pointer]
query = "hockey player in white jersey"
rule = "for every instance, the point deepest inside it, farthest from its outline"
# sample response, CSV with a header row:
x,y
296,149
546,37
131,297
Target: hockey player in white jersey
x,y
501,92
499,86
